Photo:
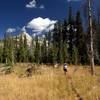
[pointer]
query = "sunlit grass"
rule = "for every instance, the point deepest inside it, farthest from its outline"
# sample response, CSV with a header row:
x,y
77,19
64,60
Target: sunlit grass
x,y
50,84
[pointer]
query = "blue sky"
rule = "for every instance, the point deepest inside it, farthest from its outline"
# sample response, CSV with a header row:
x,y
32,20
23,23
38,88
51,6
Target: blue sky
x,y
19,13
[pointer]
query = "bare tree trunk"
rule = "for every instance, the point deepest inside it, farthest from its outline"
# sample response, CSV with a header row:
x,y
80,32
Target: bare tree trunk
x,y
91,38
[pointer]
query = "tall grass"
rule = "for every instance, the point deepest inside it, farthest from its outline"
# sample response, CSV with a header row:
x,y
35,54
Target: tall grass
x,y
50,84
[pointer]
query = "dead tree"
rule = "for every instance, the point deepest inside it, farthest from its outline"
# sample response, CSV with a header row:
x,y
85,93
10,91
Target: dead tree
x,y
91,37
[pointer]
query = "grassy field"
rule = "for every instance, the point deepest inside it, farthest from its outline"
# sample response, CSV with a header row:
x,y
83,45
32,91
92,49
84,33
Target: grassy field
x,y
50,83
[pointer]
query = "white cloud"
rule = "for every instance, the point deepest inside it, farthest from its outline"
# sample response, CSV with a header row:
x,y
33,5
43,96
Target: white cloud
x,y
42,7
32,4
10,30
39,25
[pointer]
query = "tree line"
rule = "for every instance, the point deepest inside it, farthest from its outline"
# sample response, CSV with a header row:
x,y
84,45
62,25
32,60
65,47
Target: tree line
x,y
66,43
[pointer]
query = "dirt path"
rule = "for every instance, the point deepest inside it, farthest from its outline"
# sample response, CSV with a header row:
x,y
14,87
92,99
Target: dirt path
x,y
74,89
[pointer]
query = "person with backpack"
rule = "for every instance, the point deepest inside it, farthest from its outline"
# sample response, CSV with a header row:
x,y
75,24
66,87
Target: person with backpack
x,y
65,68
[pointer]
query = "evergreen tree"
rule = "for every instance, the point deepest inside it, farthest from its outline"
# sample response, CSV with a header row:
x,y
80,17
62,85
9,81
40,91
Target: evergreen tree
x,y
60,44
65,52
5,49
11,50
21,52
75,56
52,47
53,54
26,50
55,42
98,40
56,34
80,41
8,49
44,51
64,31
16,50
23,49
37,52
71,34
32,51
70,16
58,41
1,53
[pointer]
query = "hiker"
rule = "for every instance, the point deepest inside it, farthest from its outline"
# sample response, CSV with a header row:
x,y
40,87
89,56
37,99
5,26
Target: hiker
x,y
65,68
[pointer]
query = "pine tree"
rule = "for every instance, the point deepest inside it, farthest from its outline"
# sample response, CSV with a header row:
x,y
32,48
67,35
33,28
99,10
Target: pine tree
x,y
60,44
55,42
70,16
52,46
26,50
75,56
1,53
64,31
44,51
58,41
32,51
71,34
8,49
11,50
53,54
98,40
16,49
65,52
37,52
98,33
80,41
21,50
95,40
5,49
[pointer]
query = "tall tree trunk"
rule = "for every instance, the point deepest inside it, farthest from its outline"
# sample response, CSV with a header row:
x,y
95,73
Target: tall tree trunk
x,y
91,38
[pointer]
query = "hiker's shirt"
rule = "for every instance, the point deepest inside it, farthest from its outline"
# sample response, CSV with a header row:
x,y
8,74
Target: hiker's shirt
x,y
65,66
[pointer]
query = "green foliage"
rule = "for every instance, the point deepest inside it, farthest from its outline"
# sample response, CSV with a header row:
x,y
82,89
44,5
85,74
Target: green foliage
x,y
96,28
52,53
8,50
37,52
65,52
23,50
1,55
80,40
44,51
75,56
67,42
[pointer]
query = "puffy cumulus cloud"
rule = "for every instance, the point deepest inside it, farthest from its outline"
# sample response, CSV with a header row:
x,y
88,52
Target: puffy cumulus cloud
x,y
39,25
32,4
10,30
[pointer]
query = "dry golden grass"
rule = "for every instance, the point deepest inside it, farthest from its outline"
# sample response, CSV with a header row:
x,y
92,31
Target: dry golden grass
x,y
50,84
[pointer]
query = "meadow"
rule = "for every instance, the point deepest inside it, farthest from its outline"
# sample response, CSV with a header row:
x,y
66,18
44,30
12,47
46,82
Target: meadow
x,y
49,83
